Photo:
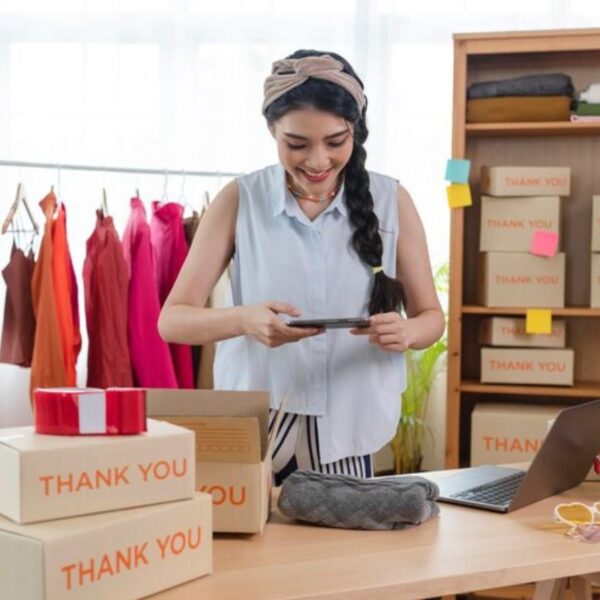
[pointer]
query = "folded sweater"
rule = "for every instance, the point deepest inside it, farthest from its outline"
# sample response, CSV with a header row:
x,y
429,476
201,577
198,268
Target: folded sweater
x,y
551,84
354,503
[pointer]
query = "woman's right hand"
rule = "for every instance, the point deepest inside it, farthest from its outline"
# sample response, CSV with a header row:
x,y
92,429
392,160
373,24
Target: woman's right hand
x,y
260,321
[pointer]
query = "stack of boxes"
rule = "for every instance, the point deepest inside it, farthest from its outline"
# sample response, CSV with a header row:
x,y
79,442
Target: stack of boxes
x,y
595,283
519,207
100,517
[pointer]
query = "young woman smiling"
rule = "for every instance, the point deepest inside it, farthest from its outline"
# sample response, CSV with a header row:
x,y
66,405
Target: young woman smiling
x,y
317,235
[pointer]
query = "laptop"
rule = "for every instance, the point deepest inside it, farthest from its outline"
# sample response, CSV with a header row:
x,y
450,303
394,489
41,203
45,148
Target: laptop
x,y
562,462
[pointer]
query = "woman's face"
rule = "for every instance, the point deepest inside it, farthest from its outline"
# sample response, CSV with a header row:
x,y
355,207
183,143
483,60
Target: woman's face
x,y
314,147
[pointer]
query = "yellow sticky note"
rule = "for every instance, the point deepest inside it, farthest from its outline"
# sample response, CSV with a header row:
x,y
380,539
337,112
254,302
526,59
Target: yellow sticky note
x,y
459,194
539,320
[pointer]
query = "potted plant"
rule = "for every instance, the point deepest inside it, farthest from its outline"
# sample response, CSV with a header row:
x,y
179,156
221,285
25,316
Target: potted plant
x,y
422,367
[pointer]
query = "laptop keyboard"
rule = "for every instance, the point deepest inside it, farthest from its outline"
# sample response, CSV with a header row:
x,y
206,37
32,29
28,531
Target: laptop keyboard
x,y
497,493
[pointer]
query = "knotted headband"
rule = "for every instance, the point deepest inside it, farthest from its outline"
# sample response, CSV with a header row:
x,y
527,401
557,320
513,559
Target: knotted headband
x,y
289,73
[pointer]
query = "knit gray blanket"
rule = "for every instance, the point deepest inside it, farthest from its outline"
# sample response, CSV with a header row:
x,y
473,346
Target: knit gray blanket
x,y
547,84
353,503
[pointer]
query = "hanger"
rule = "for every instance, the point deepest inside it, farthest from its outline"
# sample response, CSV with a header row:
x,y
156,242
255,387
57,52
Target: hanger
x,y
20,197
104,205
164,197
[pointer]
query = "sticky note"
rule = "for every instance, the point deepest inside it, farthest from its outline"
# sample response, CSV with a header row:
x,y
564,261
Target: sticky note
x,y
457,170
544,243
459,194
538,320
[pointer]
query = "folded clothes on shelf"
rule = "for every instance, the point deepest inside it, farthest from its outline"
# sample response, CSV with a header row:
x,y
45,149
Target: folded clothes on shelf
x,y
547,84
353,503
519,108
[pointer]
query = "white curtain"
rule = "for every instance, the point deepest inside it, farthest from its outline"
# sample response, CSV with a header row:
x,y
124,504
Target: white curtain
x,y
177,84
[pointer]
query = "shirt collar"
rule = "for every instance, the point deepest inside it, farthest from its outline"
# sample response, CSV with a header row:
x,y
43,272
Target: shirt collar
x,y
282,201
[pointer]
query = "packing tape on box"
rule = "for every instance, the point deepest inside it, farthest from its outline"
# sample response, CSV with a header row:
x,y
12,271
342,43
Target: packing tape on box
x,y
89,411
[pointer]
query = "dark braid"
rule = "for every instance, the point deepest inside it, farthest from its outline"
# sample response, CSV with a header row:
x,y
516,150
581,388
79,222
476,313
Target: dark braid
x,y
387,294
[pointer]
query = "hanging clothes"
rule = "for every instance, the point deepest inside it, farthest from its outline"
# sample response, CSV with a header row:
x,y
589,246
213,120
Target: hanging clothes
x,y
65,292
18,330
47,363
170,248
190,224
105,281
203,367
150,356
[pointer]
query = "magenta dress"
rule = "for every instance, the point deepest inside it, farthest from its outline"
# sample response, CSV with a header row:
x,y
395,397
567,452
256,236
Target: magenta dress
x,y
150,356
170,248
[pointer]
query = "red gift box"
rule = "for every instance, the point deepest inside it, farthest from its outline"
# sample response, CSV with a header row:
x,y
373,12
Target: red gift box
x,y
89,411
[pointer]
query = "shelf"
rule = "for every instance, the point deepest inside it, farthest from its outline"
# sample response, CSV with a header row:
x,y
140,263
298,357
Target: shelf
x,y
533,128
572,311
581,389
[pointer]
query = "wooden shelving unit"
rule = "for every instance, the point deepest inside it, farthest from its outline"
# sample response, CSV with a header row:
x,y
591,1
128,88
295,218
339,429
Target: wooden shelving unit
x,y
480,57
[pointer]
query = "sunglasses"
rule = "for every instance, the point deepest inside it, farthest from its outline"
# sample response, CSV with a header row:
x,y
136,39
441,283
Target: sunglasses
x,y
577,514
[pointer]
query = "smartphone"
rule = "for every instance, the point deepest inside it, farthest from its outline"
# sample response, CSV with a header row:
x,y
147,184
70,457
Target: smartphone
x,y
330,323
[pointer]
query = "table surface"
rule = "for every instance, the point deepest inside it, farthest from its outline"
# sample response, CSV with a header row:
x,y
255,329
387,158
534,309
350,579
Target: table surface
x,y
464,549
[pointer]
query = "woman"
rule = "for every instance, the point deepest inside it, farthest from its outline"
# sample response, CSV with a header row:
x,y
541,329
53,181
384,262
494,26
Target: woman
x,y
319,236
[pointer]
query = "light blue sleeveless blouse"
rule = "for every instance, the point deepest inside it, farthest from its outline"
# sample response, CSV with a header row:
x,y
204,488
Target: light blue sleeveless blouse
x,y
352,386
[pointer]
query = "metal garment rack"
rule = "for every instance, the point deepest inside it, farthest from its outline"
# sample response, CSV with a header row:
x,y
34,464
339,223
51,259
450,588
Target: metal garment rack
x,y
133,170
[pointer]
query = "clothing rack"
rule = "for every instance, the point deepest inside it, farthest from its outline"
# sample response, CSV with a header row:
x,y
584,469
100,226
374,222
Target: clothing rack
x,y
71,167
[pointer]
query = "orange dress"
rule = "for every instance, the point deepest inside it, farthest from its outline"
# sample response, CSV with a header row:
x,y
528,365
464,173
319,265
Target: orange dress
x,y
47,364
63,292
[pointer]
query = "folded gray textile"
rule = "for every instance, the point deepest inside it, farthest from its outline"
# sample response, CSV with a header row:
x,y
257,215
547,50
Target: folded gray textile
x,y
552,84
352,503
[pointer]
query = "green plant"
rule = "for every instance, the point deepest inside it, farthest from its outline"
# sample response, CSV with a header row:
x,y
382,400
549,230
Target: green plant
x,y
422,366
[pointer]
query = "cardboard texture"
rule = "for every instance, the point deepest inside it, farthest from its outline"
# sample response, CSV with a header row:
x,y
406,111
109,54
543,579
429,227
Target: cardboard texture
x,y
542,366
45,477
525,181
521,279
123,554
508,224
232,450
595,282
508,433
596,224
510,331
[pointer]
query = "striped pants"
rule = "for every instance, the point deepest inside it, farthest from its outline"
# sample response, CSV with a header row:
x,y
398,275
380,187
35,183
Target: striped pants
x,y
297,447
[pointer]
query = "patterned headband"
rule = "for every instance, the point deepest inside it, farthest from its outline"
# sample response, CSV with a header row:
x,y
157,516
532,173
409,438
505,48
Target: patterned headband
x,y
292,72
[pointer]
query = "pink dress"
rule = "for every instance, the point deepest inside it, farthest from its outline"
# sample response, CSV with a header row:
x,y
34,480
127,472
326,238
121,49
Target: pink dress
x,y
150,356
170,248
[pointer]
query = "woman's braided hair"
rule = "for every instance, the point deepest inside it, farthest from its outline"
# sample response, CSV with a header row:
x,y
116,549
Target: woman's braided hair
x,y
387,294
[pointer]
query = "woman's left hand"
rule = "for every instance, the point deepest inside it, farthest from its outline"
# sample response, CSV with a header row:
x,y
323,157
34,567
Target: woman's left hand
x,y
389,331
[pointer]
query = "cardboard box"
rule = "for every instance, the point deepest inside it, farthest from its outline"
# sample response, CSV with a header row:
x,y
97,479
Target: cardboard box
x,y
596,224
508,224
525,181
45,477
527,365
522,279
595,282
510,331
232,450
123,554
508,433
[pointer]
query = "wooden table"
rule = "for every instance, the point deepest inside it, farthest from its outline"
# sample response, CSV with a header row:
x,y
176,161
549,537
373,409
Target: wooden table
x,y
461,550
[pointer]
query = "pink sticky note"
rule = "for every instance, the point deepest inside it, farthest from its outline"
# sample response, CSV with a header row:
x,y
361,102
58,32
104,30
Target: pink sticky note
x,y
544,243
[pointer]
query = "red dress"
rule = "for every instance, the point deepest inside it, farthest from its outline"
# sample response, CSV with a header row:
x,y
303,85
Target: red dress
x,y
105,280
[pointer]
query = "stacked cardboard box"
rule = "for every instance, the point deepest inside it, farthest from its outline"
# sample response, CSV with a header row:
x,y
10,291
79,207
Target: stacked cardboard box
x,y
233,450
595,282
149,530
519,202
